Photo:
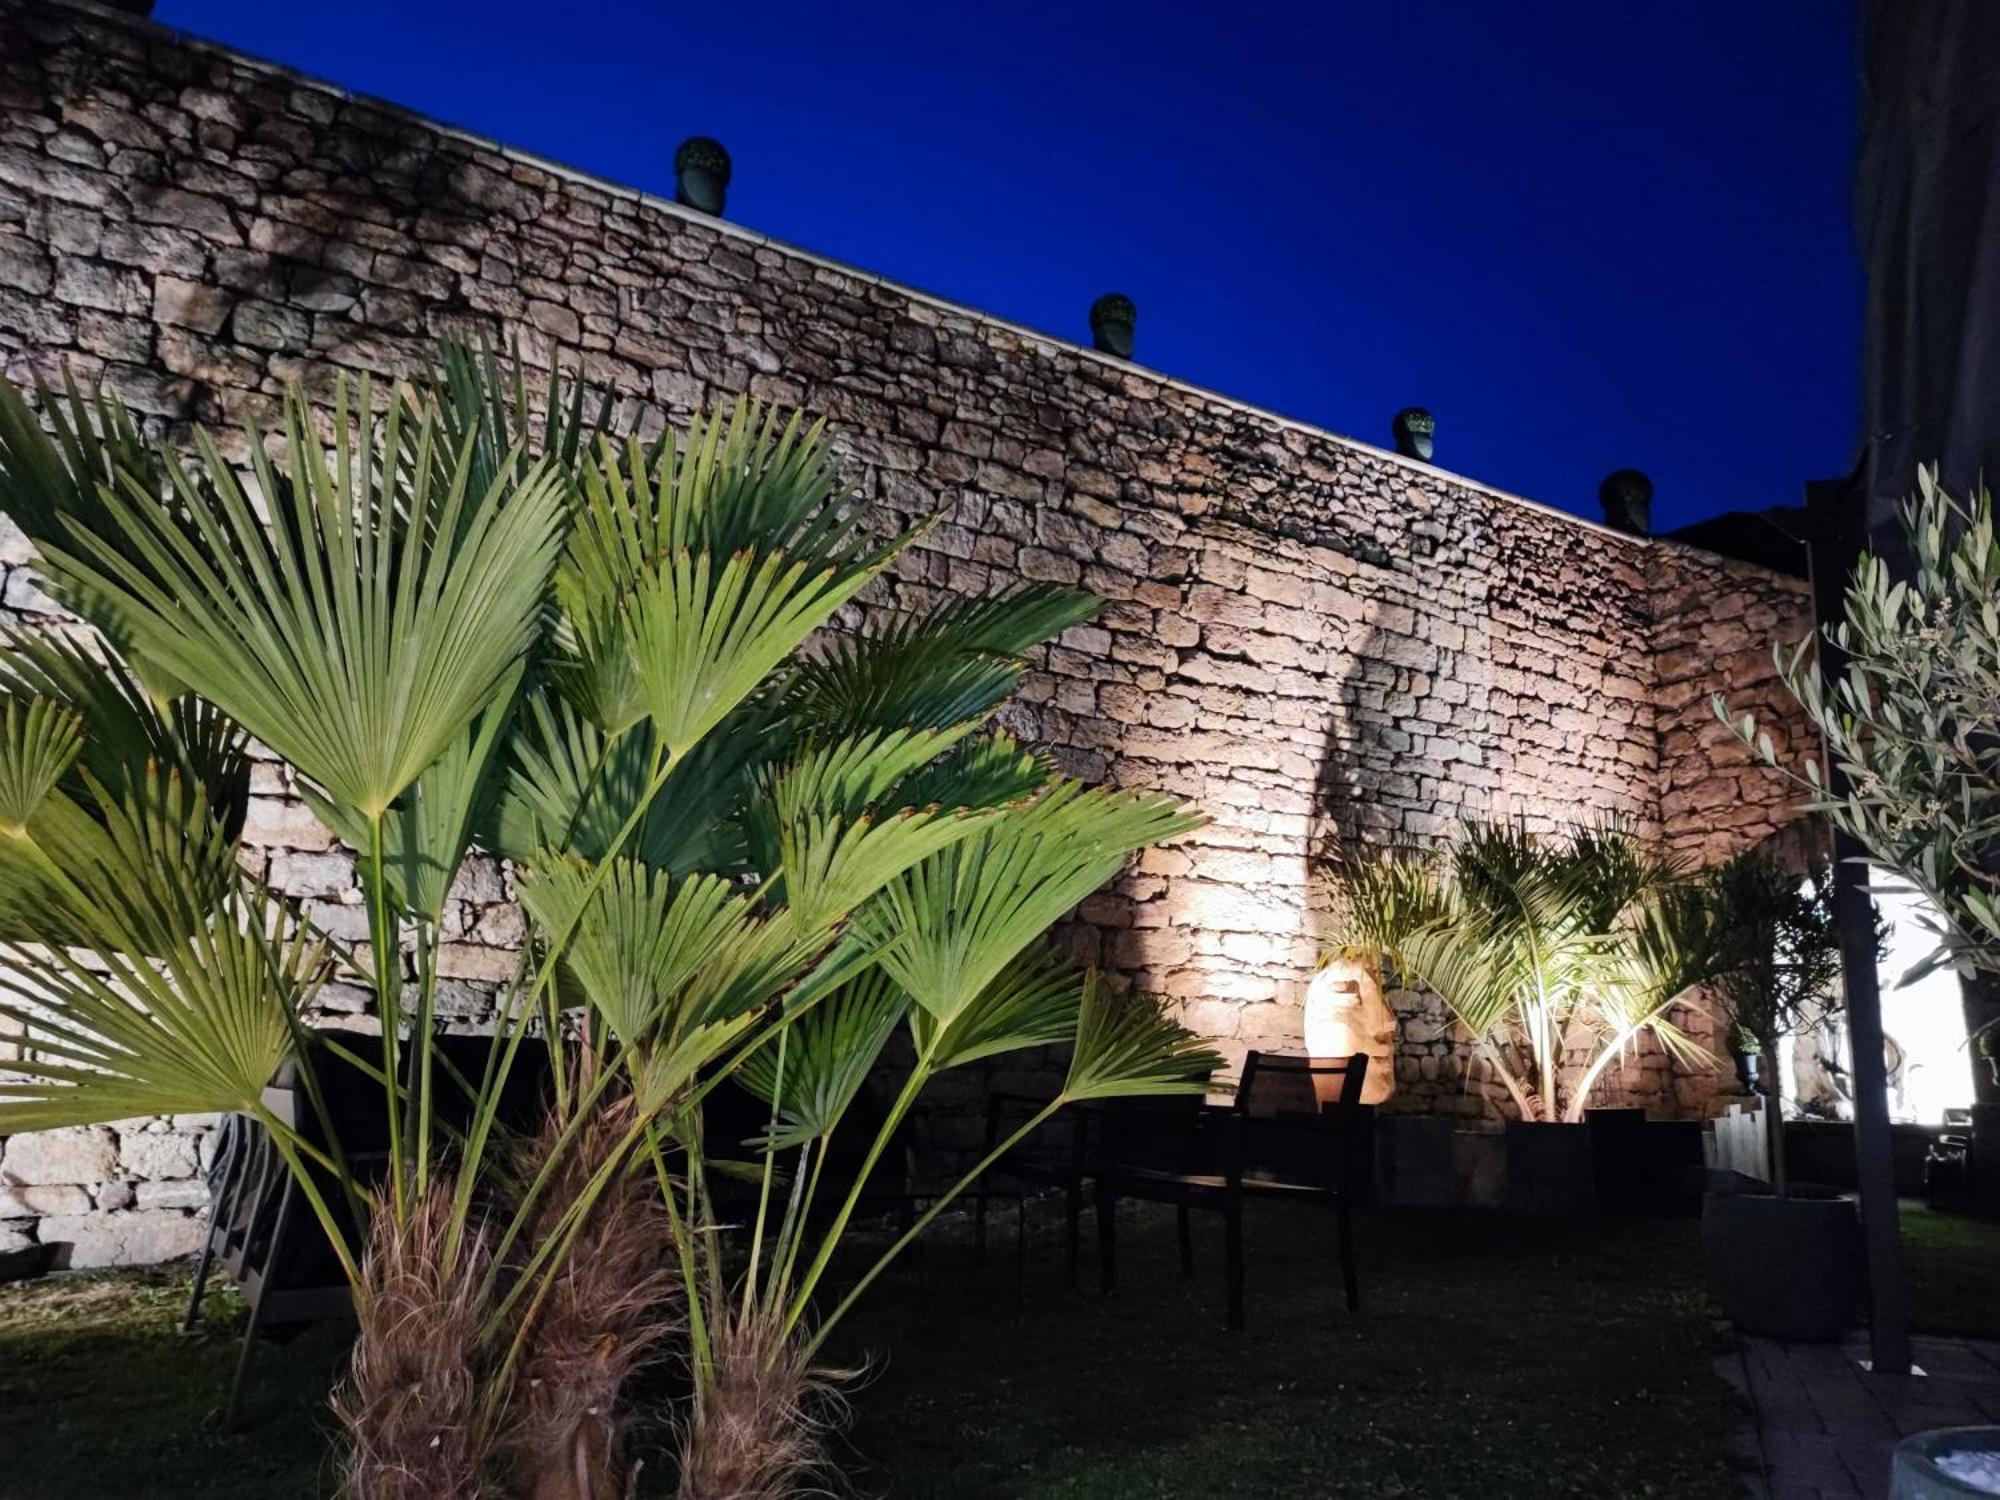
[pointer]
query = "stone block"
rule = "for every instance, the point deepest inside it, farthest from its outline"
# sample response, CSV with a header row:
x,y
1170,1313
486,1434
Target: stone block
x,y
190,304
138,1237
187,1194
157,1155
83,1154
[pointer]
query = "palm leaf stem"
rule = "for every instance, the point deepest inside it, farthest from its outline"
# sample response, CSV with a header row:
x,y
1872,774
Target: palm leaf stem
x,y
420,1100
701,1352
923,1221
385,939
764,1184
920,1074
664,762
290,1145
805,1188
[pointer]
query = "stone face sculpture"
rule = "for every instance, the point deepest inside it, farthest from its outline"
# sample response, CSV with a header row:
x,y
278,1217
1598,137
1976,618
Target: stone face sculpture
x,y
1346,1014
701,174
1113,321
1414,428
1627,498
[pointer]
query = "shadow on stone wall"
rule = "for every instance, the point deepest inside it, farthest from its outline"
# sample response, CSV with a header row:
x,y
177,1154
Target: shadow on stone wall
x,y
1409,743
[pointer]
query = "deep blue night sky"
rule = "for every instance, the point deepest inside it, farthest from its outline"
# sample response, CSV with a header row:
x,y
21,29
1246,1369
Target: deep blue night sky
x,y
1586,234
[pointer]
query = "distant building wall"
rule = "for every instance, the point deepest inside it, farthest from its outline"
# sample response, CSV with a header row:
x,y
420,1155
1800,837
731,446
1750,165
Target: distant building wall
x,y
1305,636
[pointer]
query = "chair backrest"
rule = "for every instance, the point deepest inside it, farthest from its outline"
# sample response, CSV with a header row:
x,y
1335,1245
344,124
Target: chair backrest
x,y
1278,1084
1158,1132
1300,1120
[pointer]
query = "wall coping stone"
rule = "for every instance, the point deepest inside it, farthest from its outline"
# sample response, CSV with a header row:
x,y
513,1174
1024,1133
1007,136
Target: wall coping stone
x,y
1051,342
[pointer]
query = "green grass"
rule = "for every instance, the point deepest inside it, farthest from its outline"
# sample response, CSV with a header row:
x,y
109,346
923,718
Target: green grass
x,y
1490,1359
1952,1267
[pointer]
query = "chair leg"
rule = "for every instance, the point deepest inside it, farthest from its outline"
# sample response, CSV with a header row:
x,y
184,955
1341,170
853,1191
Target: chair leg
x,y
1232,1256
221,1207
1107,1234
1347,1275
273,1257
201,1269
1186,1231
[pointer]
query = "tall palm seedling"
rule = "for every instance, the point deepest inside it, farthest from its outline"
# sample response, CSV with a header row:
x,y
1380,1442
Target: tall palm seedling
x,y
1776,963
1542,946
474,622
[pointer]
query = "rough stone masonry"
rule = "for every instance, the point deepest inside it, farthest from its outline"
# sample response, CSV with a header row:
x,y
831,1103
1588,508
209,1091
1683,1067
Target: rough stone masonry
x,y
1304,635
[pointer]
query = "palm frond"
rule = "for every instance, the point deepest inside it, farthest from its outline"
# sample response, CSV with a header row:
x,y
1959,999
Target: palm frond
x,y
643,938
1032,1003
828,1054
953,923
177,988
433,822
54,486
953,664
39,741
124,727
1126,1047
361,631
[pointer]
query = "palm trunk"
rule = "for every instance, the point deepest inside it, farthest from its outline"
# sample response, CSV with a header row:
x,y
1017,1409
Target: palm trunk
x,y
611,1307
411,1402
756,1433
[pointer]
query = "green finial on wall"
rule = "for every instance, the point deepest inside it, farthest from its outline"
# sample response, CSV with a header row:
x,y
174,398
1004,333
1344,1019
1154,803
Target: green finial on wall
x,y
701,174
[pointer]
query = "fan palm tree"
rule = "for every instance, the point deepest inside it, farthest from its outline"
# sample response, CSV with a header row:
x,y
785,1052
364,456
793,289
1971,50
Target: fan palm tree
x,y
475,618
1540,945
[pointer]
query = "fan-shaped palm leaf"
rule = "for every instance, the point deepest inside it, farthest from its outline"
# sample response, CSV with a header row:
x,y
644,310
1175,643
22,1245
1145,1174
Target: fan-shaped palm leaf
x,y
571,786
1033,1003
1126,1047
643,937
54,486
481,395
828,1055
953,664
952,924
180,990
39,741
432,823
125,730
361,632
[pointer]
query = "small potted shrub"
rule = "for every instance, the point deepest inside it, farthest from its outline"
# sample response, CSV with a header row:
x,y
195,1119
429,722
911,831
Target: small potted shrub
x,y
1747,1053
1785,1263
1538,944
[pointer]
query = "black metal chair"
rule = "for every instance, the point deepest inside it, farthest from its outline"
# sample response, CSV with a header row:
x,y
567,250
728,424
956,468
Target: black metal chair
x,y
1294,1130
1056,1156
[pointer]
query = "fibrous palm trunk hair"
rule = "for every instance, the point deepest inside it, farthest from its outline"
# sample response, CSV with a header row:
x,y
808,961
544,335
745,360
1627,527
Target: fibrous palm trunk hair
x,y
411,1401
760,1420
611,1307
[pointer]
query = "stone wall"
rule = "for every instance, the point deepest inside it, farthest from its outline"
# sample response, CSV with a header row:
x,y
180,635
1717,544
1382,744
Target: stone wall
x,y
1306,636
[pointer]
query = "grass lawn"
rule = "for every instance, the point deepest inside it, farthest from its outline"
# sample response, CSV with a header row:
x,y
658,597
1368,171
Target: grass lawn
x,y
1953,1268
1490,1359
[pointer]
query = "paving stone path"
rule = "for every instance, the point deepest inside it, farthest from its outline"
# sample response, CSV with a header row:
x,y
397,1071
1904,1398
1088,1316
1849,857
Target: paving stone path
x,y
1824,1425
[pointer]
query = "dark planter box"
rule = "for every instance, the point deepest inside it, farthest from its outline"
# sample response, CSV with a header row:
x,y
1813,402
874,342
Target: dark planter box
x,y
1415,1165
1822,1152
1644,1166
1549,1171
1787,1268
